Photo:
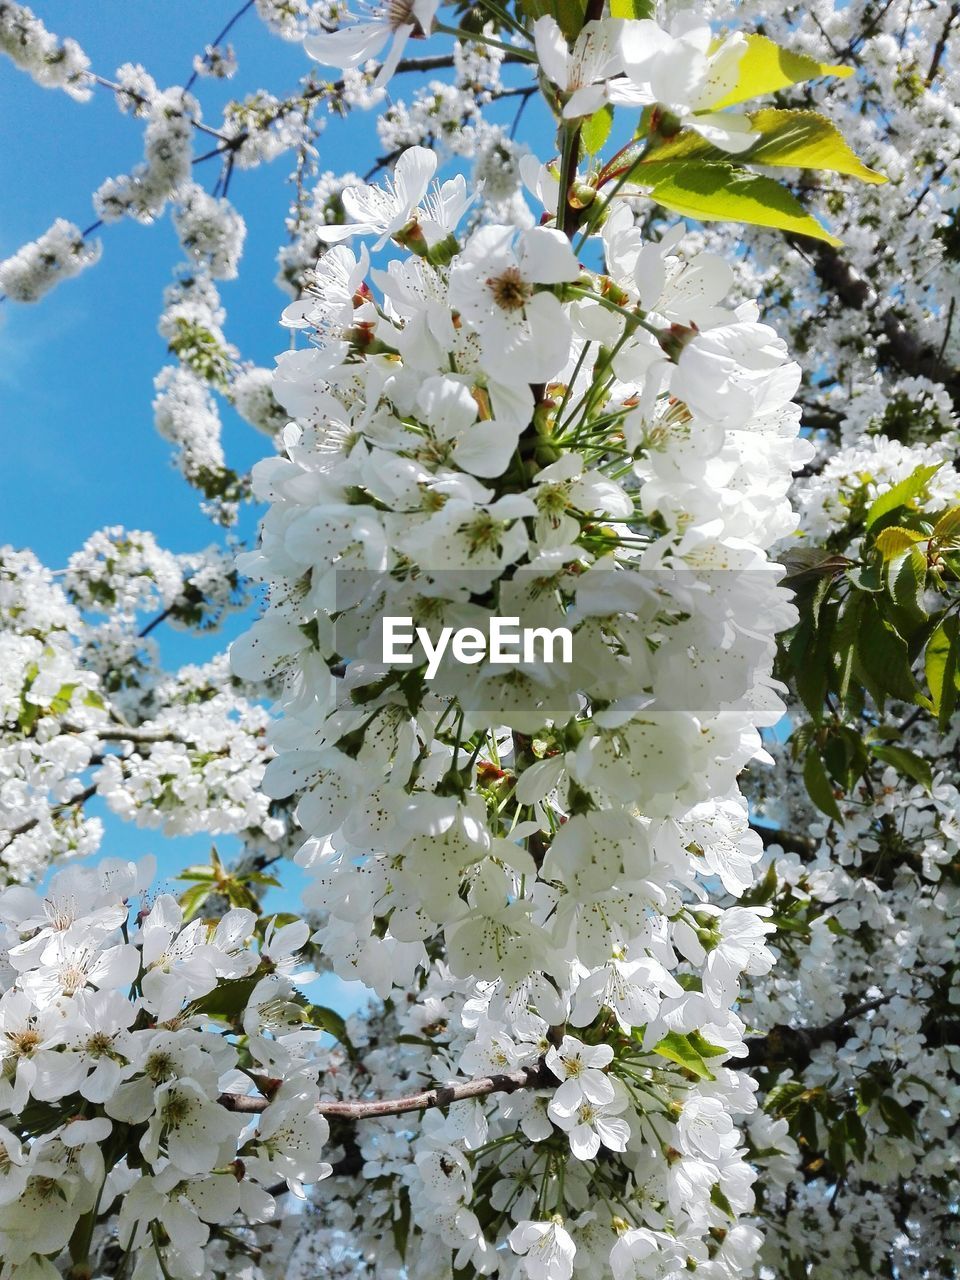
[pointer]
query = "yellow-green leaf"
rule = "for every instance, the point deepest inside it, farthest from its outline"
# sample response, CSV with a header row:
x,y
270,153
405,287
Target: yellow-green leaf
x,y
804,140
894,540
905,762
596,130
903,494
721,193
789,139
940,668
679,1048
947,529
765,68
632,8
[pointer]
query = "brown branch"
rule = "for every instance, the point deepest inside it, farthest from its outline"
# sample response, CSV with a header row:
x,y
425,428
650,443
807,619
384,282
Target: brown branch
x,y
788,840
908,352
941,45
85,795
536,1077
793,1046
155,622
145,737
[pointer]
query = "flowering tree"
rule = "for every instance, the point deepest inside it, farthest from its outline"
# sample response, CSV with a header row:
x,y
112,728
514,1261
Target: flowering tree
x,y
662,938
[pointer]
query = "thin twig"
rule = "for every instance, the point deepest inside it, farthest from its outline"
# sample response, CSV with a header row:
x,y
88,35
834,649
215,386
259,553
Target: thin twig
x,y
217,38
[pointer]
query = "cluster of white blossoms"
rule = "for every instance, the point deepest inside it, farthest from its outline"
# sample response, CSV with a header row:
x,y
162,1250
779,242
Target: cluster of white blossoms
x,y
51,62
143,193
61,252
104,1019
305,225
84,710
185,410
855,474
555,831
877,907
216,61
614,1035
873,321
41,680
210,231
293,19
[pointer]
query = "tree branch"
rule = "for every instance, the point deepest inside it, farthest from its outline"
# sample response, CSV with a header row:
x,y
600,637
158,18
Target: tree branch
x,y
788,840
139,97
146,737
908,352
941,45
536,1077
220,36
82,798
794,1046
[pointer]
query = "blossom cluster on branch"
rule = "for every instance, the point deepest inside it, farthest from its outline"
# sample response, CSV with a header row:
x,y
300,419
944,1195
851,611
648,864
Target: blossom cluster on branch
x,y
661,941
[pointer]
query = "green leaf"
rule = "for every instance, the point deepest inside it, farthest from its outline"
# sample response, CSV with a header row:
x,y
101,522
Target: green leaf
x,y
818,785
632,9
680,1049
228,999
788,139
804,140
704,1047
845,634
722,193
947,529
568,13
810,655
596,130
883,657
906,762
940,668
856,1135
720,1200
201,872
62,699
784,1097
329,1020
765,68
907,580
902,494
191,900
420,1040
401,1223
28,716
894,540
899,1121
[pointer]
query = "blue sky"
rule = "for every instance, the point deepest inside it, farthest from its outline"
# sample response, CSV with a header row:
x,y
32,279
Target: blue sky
x,y
76,371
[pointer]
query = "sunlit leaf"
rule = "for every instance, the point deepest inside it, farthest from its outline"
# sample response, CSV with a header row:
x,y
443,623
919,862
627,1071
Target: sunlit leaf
x,y
722,193
940,668
903,494
595,130
765,68
894,540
